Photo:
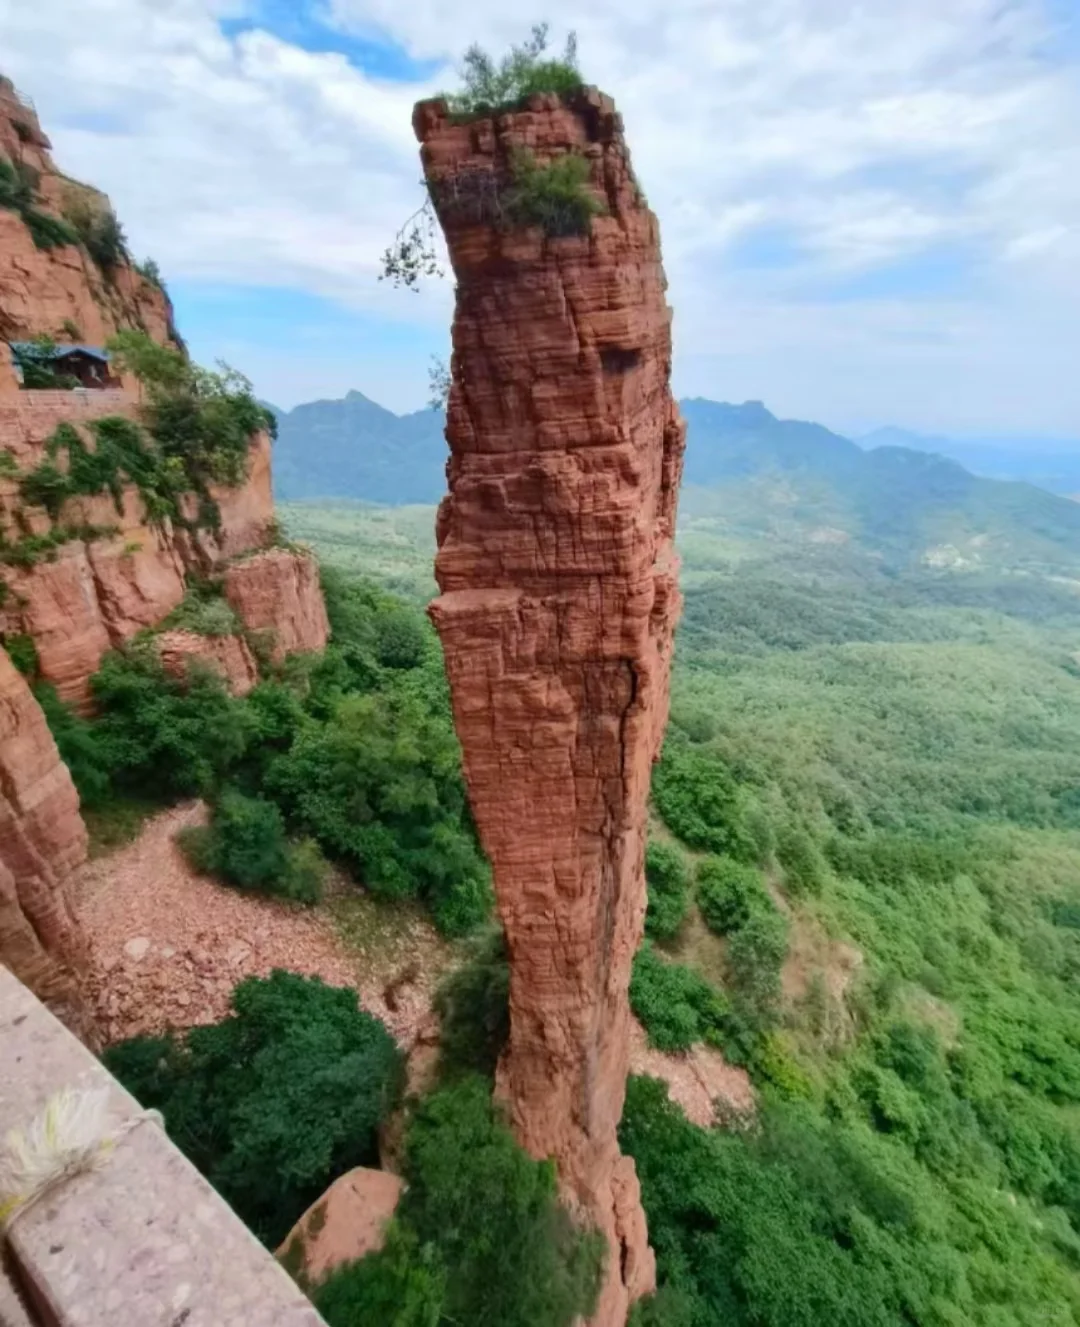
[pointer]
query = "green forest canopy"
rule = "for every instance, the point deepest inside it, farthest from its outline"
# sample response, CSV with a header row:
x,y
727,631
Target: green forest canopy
x,y
895,757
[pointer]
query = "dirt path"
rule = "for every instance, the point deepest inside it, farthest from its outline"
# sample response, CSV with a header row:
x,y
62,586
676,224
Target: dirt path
x,y
168,945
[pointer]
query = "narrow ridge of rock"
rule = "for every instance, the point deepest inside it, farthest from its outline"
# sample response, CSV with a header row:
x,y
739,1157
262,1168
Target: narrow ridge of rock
x,y
558,604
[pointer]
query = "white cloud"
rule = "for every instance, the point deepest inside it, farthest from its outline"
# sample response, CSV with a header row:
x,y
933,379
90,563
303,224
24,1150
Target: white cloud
x,y
866,134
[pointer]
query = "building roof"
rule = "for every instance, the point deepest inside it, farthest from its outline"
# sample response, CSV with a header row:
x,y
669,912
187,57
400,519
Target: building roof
x,y
60,352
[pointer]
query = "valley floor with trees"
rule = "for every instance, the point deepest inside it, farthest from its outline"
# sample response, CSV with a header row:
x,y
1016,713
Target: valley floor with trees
x,y
885,761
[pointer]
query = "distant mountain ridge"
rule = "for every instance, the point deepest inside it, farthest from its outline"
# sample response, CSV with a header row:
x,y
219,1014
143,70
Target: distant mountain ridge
x,y
785,480
355,448
1050,463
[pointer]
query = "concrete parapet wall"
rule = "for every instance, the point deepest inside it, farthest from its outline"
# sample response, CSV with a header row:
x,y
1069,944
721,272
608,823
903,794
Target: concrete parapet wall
x,y
142,1239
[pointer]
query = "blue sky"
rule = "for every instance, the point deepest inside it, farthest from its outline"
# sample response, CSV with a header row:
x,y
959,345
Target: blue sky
x,y
870,211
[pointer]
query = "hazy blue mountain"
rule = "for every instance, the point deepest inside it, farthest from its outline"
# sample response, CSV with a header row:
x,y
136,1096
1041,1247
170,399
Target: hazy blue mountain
x,y
1051,463
798,480
757,475
355,448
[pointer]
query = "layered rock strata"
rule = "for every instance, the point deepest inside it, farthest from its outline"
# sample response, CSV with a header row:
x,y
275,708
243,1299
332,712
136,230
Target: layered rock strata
x,y
42,838
229,656
60,291
278,593
86,575
92,594
557,608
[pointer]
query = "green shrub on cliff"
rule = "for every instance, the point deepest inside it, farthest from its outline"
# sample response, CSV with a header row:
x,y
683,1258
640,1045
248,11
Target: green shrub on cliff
x,y
473,1004
81,748
675,1004
555,196
195,431
700,802
669,890
479,1236
491,87
729,894
380,787
275,1101
165,736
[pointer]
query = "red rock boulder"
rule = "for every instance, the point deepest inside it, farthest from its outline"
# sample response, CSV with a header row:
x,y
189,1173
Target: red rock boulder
x,y
278,593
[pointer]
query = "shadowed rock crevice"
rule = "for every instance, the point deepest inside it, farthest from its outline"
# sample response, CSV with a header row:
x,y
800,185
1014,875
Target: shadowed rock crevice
x,y
557,607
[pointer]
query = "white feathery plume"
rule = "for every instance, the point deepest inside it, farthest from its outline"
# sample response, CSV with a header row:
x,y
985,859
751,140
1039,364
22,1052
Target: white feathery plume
x,y
66,1138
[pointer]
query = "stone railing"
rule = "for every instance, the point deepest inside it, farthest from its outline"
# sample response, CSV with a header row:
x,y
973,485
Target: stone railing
x,y
140,1239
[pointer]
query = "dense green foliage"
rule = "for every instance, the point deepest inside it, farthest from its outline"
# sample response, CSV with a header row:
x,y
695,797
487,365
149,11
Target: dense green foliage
x,y
899,753
554,196
404,1286
245,844
675,1004
807,1221
491,87
381,788
479,1235
669,890
700,802
473,1004
275,1101
352,751
729,894
161,735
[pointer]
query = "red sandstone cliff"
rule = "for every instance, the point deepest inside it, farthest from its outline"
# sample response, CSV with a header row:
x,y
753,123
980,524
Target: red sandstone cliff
x,y
42,837
87,596
55,290
558,606
112,572
277,593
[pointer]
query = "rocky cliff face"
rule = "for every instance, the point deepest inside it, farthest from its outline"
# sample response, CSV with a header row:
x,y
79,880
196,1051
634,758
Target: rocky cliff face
x,y
277,593
60,291
82,575
42,837
557,608
90,594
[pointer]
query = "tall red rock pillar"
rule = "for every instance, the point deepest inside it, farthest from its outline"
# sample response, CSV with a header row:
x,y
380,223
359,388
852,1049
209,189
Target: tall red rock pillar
x,y
557,608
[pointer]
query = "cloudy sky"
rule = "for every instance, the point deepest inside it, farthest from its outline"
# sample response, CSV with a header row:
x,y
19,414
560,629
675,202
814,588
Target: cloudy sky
x,y
870,208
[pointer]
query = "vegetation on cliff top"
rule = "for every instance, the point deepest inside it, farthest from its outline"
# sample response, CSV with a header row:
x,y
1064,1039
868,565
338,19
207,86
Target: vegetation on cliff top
x,y
492,88
553,195
195,432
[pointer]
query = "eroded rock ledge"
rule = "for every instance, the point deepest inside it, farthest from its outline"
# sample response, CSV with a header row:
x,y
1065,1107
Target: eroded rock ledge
x,y
557,609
